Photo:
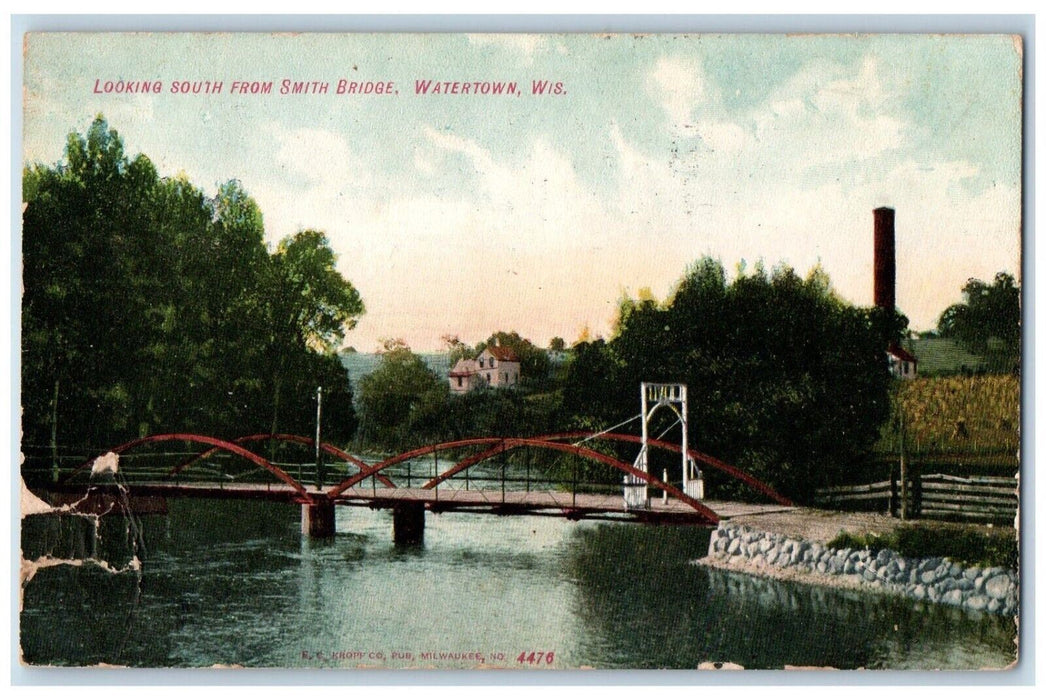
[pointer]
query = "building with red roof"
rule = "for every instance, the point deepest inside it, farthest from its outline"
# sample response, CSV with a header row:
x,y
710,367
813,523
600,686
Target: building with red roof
x,y
903,364
496,367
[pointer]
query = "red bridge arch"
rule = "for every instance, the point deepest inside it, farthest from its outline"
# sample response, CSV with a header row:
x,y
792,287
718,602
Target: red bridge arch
x,y
216,443
286,437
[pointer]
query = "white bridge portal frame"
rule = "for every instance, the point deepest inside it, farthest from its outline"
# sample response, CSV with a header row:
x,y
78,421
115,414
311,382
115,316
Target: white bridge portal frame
x,y
653,396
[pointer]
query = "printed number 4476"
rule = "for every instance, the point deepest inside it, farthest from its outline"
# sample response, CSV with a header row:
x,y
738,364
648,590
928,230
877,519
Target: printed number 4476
x,y
536,657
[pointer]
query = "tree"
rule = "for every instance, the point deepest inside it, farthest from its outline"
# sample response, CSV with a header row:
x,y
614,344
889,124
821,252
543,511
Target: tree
x,y
400,402
456,349
91,278
988,311
309,306
557,344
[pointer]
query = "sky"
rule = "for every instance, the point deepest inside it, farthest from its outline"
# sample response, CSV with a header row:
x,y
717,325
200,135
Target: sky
x,y
465,214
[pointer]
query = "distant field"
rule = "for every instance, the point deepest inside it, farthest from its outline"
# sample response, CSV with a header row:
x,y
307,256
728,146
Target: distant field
x,y
971,416
945,356
360,364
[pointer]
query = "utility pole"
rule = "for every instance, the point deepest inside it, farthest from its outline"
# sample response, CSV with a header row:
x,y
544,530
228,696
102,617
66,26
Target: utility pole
x,y
319,453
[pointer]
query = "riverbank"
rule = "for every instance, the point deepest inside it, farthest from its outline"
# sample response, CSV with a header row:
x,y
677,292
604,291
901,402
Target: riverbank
x,y
793,546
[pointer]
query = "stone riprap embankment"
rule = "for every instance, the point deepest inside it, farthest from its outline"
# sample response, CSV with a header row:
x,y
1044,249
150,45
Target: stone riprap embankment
x,y
936,580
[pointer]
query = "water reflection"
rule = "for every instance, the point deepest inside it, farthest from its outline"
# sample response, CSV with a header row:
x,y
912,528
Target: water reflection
x,y
235,583
648,604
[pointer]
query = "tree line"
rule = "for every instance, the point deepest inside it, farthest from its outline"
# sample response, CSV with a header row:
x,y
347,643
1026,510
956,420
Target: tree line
x,y
149,306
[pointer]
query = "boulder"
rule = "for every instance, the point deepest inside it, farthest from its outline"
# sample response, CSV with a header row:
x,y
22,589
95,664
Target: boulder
x,y
998,586
929,564
952,597
977,602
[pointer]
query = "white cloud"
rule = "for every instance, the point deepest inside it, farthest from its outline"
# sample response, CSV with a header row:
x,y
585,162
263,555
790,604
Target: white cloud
x,y
322,157
828,114
680,84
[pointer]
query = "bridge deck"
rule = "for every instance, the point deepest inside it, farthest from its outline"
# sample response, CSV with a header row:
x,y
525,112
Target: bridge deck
x,y
543,502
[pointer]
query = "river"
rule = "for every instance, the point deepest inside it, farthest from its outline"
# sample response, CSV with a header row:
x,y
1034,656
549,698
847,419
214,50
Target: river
x,y
234,583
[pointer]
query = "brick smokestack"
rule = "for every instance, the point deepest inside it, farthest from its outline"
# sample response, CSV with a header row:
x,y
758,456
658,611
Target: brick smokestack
x,y
885,260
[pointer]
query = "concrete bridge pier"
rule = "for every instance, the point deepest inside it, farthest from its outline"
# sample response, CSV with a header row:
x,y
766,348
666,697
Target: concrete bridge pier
x,y
317,518
408,523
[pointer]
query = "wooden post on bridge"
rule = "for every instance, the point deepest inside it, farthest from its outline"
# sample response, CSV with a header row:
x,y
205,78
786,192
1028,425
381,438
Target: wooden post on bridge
x,y
317,518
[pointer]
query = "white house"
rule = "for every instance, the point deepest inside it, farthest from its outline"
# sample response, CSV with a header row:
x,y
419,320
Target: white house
x,y
497,366
464,377
903,364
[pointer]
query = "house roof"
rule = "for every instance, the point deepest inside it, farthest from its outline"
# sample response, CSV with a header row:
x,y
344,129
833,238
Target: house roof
x,y
502,353
463,368
902,354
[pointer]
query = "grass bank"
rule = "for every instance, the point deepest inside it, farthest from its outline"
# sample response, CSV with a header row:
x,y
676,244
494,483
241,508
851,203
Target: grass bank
x,y
970,545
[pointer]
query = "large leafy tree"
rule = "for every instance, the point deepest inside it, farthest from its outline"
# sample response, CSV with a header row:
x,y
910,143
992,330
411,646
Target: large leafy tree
x,y
309,306
90,278
402,402
987,312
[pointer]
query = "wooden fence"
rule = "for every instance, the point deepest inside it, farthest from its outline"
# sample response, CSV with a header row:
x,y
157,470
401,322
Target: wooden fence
x,y
942,496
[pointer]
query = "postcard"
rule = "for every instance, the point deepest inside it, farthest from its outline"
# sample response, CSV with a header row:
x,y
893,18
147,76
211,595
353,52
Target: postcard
x,y
521,351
